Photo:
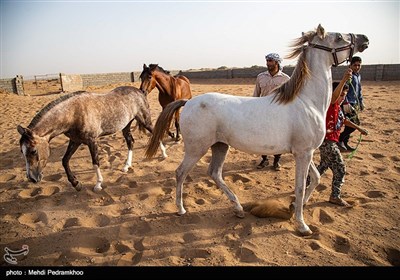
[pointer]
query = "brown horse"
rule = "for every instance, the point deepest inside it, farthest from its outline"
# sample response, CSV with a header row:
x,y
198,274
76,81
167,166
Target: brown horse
x,y
83,117
170,89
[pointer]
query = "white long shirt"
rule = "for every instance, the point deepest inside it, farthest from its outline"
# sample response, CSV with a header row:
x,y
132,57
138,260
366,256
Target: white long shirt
x,y
266,83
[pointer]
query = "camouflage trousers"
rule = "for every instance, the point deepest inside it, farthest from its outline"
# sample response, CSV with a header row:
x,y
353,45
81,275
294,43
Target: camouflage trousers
x,y
331,158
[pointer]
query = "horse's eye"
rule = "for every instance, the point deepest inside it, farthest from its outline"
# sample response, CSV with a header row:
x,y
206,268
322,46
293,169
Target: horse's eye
x,y
34,152
339,38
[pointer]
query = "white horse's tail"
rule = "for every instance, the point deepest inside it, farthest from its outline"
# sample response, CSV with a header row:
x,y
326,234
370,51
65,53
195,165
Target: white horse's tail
x,y
269,208
162,125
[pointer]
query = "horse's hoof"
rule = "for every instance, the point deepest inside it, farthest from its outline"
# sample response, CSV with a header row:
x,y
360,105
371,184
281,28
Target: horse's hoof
x,y
304,230
239,214
78,186
181,212
305,233
125,169
97,189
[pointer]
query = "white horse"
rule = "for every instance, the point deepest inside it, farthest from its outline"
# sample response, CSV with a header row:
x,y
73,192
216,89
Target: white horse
x,y
290,121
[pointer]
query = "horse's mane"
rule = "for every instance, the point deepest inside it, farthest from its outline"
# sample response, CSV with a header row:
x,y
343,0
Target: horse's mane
x,y
289,90
155,66
172,80
51,105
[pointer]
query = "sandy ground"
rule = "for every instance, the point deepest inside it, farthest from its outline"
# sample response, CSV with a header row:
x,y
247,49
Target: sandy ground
x,y
133,221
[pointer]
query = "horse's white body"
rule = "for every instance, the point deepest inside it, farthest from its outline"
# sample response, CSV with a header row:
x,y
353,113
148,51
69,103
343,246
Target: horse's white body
x,y
261,125
257,125
254,125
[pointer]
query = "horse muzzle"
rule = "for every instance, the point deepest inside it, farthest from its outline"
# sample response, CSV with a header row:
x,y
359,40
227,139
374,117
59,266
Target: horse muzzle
x,y
363,46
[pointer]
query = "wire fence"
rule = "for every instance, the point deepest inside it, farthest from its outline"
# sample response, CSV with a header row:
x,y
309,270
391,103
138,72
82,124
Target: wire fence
x,y
43,83
48,77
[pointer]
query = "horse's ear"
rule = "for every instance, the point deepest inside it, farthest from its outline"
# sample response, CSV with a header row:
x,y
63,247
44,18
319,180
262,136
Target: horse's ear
x,y
144,66
320,32
21,130
24,131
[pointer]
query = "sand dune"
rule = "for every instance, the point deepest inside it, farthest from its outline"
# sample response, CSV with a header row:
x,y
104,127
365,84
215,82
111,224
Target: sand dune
x,y
133,220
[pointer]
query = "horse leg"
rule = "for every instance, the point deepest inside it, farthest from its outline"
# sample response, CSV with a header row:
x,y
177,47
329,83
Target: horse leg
x,y
303,161
189,161
177,127
219,151
72,147
95,161
163,150
314,181
129,142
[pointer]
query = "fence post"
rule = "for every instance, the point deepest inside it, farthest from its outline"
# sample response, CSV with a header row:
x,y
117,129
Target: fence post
x,y
61,82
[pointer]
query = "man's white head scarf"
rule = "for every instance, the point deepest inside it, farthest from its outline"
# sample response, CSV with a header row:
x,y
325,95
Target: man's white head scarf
x,y
275,57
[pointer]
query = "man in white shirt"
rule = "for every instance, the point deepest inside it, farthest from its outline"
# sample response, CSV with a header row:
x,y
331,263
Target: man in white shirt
x,y
265,84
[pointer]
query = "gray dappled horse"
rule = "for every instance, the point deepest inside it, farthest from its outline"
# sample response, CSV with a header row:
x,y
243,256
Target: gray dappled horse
x,y
83,117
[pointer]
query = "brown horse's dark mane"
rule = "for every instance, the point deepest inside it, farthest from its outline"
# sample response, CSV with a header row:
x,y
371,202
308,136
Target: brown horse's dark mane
x,y
172,80
51,105
290,90
156,67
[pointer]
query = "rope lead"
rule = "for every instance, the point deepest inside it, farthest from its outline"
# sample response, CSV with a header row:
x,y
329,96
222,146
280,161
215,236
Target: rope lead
x,y
350,156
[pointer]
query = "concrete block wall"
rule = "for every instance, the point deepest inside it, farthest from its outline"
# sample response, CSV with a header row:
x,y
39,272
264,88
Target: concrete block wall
x,y
13,85
71,82
390,72
208,74
374,72
106,79
231,73
136,76
7,85
247,72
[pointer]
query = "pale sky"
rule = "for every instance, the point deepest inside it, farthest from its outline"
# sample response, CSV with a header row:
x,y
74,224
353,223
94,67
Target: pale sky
x,y
83,37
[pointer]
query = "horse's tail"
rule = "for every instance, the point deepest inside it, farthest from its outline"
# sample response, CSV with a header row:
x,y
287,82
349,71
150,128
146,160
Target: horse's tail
x,y
269,208
162,125
142,128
